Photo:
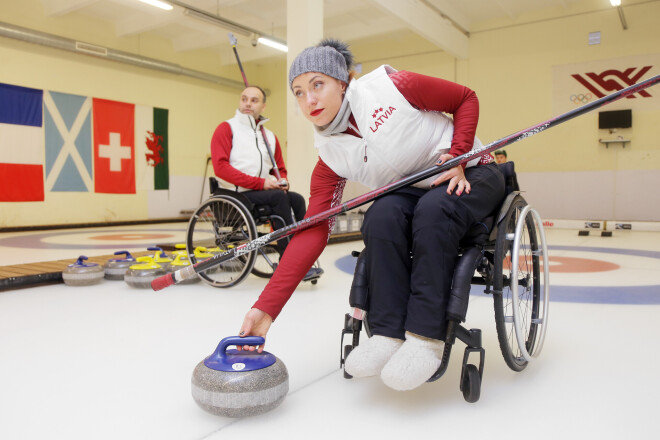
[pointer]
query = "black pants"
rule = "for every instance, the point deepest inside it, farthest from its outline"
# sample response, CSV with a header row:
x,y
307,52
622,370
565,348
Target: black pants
x,y
281,203
411,294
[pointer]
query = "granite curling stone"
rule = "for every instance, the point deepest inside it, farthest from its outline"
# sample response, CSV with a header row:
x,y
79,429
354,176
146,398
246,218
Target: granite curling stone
x,y
115,268
81,273
234,383
141,275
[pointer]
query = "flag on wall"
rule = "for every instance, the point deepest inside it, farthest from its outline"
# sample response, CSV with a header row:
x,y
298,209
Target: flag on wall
x,y
68,137
21,144
114,147
151,145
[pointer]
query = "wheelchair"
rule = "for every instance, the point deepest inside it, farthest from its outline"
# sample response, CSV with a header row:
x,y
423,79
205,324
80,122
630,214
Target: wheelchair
x,y
506,253
229,219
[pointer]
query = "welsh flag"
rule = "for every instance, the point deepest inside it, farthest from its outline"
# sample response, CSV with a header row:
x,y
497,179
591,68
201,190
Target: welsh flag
x,y
114,147
151,145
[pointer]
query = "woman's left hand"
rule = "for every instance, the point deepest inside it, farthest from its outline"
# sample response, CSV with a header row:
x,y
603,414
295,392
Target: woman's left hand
x,y
455,176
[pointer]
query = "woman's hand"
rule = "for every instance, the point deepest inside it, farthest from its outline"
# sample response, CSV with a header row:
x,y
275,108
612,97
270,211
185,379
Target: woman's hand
x,y
455,176
256,323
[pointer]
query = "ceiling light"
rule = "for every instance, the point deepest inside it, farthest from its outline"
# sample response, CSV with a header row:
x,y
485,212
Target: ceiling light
x,y
615,2
271,42
158,4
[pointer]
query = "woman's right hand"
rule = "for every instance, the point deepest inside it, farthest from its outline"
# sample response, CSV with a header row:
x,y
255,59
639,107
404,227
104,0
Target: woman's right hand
x,y
256,323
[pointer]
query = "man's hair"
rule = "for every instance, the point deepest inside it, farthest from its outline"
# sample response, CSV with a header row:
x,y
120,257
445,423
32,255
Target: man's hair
x,y
502,152
263,93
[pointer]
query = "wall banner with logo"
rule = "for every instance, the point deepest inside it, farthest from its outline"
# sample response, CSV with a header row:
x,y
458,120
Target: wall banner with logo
x,y
577,84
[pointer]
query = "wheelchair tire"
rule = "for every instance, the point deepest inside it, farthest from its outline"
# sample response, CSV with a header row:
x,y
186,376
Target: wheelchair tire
x,y
529,279
471,383
219,224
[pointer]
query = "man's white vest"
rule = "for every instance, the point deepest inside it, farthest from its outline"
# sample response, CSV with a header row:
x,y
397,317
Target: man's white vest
x,y
397,139
248,152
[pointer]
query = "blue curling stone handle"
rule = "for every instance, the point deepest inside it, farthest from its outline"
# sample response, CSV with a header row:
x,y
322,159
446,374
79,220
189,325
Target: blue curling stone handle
x,y
237,361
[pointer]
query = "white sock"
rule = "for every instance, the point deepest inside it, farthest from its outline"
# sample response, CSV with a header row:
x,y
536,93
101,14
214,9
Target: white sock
x,y
368,358
414,363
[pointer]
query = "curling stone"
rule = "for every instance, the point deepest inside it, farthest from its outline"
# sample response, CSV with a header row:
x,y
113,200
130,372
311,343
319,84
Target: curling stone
x,y
115,268
141,275
160,257
81,273
236,383
180,261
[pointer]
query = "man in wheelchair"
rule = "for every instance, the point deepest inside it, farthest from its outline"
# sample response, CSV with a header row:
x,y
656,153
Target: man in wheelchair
x,y
240,157
375,130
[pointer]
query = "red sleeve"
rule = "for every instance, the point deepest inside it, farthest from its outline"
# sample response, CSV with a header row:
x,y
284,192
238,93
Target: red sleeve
x,y
305,246
279,160
435,94
221,145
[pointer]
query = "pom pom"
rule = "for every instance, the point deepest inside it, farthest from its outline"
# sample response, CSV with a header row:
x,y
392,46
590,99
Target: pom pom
x,y
340,47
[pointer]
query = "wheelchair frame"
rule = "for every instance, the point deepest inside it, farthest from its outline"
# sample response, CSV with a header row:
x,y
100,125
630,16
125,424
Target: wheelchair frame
x,y
229,219
507,260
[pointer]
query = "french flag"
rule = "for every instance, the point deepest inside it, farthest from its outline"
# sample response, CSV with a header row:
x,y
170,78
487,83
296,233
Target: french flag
x,y
21,144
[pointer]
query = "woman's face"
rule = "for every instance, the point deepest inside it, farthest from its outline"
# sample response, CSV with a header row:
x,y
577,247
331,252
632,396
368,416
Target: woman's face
x,y
319,96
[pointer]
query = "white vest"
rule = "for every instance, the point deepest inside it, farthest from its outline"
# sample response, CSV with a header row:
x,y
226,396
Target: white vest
x,y
248,153
397,139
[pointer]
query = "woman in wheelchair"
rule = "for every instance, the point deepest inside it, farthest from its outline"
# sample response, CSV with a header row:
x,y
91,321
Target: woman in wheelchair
x,y
375,130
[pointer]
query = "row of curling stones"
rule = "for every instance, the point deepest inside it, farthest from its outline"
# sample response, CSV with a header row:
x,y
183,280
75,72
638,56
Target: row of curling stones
x,y
235,383
149,268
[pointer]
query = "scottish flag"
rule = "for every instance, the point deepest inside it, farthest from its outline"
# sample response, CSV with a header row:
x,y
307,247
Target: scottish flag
x,y
68,133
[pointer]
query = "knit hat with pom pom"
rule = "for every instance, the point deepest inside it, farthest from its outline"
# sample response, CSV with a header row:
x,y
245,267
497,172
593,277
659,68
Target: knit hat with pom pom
x,y
330,57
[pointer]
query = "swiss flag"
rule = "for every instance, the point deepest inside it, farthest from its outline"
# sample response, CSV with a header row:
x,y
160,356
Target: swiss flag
x,y
114,147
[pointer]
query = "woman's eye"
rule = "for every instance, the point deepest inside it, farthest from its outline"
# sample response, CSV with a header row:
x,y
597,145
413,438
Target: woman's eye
x,y
317,85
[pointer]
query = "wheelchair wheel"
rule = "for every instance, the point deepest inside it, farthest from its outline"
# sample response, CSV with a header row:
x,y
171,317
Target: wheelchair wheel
x,y
471,383
219,224
520,304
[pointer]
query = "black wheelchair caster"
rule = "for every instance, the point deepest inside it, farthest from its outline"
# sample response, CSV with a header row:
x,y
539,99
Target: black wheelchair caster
x,y
471,383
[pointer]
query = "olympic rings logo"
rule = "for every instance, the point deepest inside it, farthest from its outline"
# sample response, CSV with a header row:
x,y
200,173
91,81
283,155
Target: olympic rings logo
x,y
581,98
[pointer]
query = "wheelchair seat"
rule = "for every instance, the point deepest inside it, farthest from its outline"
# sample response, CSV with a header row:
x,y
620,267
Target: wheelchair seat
x,y
260,213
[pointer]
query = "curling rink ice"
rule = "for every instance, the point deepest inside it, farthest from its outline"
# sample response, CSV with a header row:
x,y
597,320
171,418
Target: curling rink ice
x,y
113,362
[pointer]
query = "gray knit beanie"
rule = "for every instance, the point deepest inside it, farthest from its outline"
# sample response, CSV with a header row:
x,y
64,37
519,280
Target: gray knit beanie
x,y
330,57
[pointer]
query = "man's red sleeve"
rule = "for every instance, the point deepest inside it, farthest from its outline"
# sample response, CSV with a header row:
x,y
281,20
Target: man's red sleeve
x,y
305,246
221,144
435,94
